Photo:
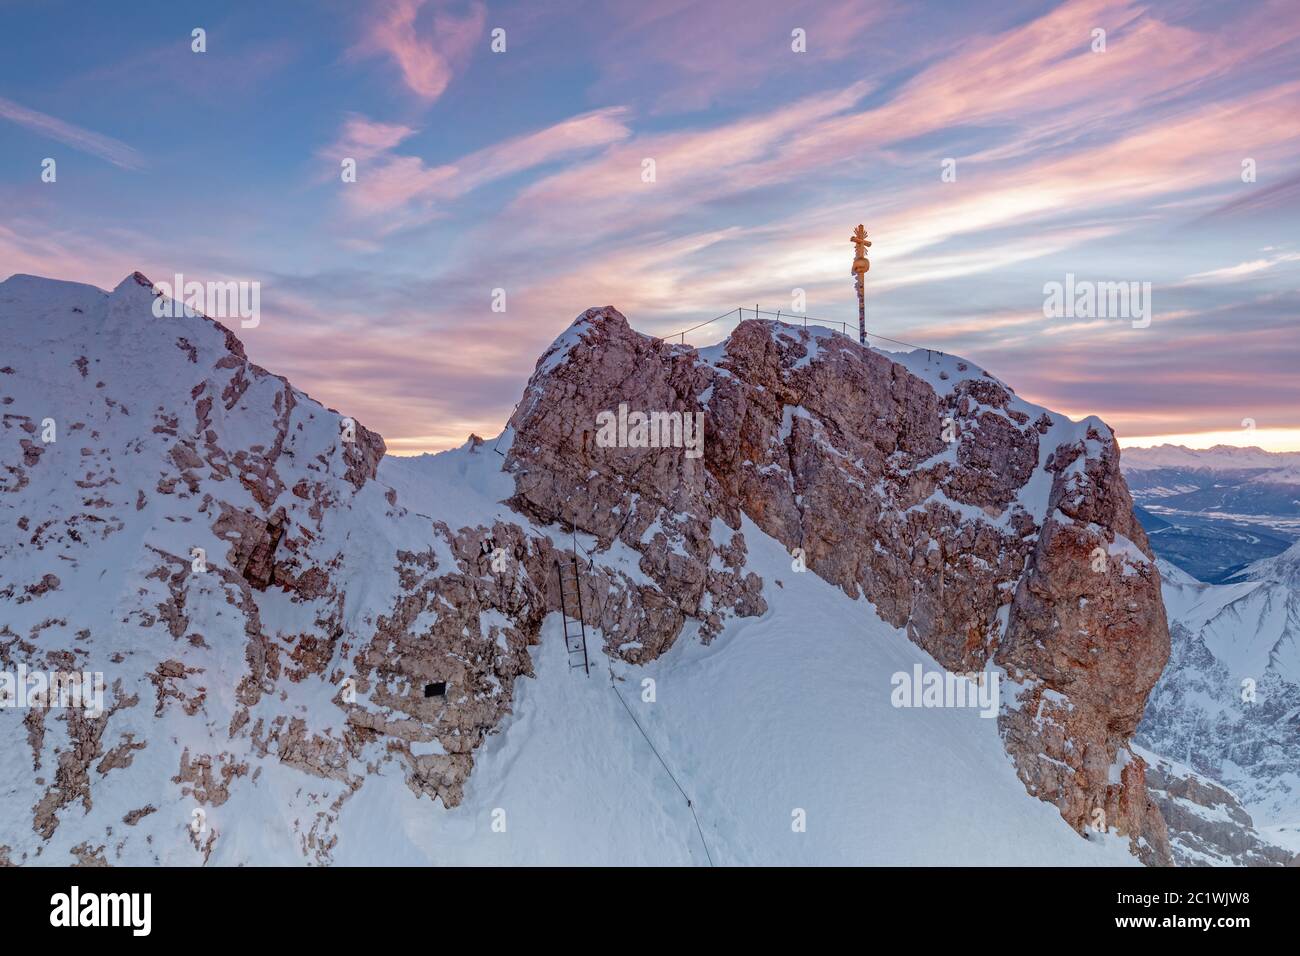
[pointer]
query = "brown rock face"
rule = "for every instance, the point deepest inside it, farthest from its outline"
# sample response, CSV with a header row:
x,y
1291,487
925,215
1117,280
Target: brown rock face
x,y
1091,644
659,505
993,532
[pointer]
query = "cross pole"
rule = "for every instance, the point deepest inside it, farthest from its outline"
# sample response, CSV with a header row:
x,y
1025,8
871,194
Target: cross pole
x,y
859,272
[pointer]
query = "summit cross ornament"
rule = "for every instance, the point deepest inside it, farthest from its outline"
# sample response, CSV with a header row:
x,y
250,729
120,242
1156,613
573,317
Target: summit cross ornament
x,y
861,265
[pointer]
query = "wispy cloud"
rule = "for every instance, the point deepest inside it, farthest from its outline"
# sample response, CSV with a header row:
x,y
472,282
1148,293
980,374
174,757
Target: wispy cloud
x,y
1038,77
700,53
402,190
1244,270
427,57
362,138
1280,196
96,144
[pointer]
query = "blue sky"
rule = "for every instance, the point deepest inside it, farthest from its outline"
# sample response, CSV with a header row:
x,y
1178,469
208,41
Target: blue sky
x,y
522,170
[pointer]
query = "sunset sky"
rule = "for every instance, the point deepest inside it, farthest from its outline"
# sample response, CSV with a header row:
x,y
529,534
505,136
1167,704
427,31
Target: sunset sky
x,y
522,170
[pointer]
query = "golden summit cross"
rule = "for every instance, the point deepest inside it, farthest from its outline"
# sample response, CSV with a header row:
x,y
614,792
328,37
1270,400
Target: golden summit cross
x,y
861,265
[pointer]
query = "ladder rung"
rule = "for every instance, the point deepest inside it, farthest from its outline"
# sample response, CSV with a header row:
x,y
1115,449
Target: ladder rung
x,y
575,642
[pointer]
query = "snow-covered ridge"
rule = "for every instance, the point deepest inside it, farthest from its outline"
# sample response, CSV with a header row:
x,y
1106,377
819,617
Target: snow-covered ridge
x,y
274,607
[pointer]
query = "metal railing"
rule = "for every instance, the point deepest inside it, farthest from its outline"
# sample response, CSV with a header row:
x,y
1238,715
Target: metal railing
x,y
793,319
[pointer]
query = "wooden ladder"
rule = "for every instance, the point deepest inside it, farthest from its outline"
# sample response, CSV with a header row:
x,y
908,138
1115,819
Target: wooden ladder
x,y
575,638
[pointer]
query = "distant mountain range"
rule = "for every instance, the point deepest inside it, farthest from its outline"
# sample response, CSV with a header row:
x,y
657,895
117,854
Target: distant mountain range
x,y
1224,717
1224,522
1213,511
1215,458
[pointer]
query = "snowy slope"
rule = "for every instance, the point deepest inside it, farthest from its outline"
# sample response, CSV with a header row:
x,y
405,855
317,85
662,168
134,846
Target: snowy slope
x,y
97,534
783,712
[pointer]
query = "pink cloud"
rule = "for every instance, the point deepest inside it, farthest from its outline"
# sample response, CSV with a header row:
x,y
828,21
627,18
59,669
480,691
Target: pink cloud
x,y
689,166
362,138
404,190
427,58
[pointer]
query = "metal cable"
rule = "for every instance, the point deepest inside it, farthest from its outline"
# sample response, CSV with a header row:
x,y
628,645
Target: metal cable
x,y
689,805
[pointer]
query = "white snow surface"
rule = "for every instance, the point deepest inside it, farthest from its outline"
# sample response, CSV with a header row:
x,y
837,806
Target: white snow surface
x,y
785,712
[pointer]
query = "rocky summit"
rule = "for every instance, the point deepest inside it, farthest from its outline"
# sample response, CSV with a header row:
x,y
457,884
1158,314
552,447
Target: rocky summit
x,y
991,531
301,637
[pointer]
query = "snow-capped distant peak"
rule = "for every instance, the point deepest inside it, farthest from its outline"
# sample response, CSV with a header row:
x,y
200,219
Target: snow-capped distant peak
x,y
1216,458
1284,568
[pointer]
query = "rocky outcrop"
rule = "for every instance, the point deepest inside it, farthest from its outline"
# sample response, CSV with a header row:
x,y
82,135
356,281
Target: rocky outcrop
x,y
994,532
1092,640
1207,824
